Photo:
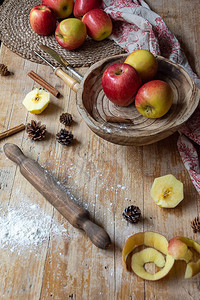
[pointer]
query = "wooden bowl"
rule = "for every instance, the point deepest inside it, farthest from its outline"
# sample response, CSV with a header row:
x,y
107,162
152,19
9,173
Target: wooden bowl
x,y
94,106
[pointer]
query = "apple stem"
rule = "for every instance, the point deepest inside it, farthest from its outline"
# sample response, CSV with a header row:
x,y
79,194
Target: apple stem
x,y
59,35
148,109
119,72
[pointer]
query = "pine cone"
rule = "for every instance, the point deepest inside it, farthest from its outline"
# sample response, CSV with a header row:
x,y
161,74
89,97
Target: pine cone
x,y
195,224
4,70
66,119
64,137
35,130
132,214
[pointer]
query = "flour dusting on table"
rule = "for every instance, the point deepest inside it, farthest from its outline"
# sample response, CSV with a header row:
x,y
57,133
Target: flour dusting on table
x,y
27,227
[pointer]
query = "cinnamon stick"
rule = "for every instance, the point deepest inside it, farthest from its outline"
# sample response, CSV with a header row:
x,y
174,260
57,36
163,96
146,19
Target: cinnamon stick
x,y
113,119
44,83
12,131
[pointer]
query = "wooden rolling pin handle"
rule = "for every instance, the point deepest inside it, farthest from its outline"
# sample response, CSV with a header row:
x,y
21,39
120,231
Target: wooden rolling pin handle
x,y
70,81
14,153
96,234
57,195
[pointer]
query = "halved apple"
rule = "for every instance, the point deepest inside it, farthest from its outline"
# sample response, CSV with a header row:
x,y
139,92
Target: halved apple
x,y
178,248
36,101
149,239
167,191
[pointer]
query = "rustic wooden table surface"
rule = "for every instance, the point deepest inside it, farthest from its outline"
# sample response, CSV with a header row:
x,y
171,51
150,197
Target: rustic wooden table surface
x,y
41,255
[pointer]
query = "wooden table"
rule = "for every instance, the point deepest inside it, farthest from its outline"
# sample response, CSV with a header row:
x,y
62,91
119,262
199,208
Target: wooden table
x,y
105,178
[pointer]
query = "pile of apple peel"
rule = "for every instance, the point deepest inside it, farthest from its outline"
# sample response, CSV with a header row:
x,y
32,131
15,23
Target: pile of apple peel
x,y
161,253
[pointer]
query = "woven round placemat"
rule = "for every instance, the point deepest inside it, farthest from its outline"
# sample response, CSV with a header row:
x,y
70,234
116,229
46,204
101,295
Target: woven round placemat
x,y
17,34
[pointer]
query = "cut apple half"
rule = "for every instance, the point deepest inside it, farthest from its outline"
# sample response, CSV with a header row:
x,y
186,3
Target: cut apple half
x,y
167,191
178,248
153,240
36,101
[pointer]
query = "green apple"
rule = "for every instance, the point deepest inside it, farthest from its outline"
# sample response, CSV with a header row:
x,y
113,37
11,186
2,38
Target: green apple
x,y
154,99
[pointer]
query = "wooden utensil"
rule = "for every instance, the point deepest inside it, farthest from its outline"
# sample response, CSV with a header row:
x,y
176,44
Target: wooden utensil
x,y
70,81
57,195
94,106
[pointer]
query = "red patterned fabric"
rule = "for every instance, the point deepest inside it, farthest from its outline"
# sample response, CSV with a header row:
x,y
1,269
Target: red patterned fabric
x,y
136,26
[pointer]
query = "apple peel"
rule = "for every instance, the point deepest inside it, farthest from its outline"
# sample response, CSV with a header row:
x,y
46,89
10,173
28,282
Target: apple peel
x,y
178,248
153,240
148,255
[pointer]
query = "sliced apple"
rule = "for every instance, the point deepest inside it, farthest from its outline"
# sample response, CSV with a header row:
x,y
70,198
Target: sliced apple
x,y
153,240
36,101
178,248
167,191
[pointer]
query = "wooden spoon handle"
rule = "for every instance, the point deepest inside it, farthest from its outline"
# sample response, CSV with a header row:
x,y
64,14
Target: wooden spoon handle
x,y
57,195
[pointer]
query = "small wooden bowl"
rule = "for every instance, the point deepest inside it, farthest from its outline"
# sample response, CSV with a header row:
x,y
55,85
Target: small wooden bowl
x,y
94,106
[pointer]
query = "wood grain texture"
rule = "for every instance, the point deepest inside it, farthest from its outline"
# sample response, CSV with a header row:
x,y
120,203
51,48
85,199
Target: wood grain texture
x,y
94,106
105,178
57,194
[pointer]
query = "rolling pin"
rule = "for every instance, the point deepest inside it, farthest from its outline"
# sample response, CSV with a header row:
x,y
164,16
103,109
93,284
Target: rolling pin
x,y
57,195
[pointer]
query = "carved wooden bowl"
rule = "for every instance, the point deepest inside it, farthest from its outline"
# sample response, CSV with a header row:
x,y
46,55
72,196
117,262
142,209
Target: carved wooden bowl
x,y
94,106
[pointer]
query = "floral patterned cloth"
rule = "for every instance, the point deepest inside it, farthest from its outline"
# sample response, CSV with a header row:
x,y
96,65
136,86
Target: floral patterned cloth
x,y
136,26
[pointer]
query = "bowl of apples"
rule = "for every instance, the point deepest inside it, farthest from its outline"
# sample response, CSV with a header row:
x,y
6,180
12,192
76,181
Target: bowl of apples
x,y
136,99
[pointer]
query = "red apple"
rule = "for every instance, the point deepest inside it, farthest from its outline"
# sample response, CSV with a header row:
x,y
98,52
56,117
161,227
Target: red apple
x,y
42,20
98,23
62,8
154,99
120,83
81,7
71,33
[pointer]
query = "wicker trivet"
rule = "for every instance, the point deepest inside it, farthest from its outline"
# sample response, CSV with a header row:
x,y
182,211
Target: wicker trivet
x,y
17,35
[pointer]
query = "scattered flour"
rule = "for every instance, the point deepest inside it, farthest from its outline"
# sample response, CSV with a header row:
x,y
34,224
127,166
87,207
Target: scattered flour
x,y
26,227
